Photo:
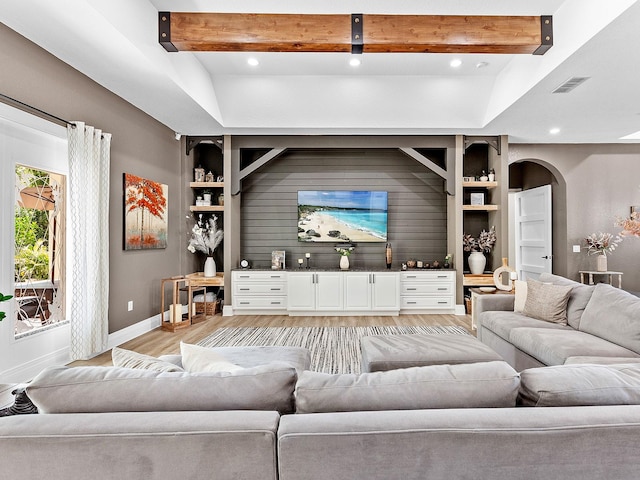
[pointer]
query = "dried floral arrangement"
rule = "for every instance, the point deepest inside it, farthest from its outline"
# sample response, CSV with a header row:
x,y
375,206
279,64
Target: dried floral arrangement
x,y
602,243
484,243
205,235
630,225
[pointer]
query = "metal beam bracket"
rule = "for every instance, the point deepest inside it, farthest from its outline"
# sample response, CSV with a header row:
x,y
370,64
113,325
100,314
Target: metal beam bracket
x,y
546,35
164,31
357,40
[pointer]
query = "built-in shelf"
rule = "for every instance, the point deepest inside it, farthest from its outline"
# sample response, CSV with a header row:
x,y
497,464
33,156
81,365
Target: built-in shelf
x,y
480,184
480,208
210,208
206,184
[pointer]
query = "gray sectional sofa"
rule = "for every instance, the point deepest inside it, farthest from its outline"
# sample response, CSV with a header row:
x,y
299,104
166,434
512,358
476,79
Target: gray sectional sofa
x,y
602,326
431,422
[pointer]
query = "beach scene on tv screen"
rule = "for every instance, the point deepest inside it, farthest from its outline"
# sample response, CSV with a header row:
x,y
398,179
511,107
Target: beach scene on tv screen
x,y
342,216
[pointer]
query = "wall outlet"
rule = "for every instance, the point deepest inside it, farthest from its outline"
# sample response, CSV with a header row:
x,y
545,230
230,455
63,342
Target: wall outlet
x,y
129,305
576,249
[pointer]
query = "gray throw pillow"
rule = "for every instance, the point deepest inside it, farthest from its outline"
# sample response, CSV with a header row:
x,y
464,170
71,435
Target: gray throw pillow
x,y
547,302
473,385
580,385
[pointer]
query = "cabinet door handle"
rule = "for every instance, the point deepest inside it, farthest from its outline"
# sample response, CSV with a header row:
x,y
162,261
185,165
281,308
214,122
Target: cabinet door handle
x,y
442,276
244,289
411,303
275,303
442,303
412,276
442,288
275,276
276,289
244,303
244,276
411,289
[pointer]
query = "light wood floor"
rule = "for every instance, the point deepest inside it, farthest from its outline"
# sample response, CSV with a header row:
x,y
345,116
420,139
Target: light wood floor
x,y
160,342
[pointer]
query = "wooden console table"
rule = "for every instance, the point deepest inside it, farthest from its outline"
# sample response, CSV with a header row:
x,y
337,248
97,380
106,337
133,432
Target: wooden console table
x,y
198,282
609,274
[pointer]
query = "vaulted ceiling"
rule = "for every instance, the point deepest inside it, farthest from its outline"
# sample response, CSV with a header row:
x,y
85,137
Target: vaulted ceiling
x,y
115,42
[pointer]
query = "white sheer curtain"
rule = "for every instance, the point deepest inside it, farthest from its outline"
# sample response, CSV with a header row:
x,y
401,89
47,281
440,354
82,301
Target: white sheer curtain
x,y
89,159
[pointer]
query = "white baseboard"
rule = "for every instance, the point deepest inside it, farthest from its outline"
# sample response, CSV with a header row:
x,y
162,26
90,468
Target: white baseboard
x,y
227,311
460,310
133,331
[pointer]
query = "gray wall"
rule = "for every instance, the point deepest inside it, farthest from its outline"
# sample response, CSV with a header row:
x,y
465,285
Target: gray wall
x,y
602,182
417,221
140,145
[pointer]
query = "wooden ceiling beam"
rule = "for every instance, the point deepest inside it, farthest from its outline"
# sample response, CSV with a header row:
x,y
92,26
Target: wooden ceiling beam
x,y
242,32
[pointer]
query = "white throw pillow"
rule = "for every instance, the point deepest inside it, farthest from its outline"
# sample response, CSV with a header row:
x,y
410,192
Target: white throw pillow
x,y
521,295
202,359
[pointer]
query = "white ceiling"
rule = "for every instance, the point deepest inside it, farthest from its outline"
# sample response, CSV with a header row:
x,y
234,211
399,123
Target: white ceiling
x,y
115,43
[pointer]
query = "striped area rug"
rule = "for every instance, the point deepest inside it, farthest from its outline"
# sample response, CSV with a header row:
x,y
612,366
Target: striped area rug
x,y
333,349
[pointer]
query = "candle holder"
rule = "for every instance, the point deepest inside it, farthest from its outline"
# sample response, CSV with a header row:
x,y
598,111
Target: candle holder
x,y
300,264
308,256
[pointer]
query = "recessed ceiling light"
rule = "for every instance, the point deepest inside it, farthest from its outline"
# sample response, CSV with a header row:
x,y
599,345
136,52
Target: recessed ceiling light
x,y
456,62
554,131
482,64
355,62
253,62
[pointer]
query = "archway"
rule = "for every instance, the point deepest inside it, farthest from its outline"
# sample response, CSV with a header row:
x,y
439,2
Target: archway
x,y
528,173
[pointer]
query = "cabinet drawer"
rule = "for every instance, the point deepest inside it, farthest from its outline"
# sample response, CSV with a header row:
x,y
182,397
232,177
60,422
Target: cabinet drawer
x,y
414,288
428,276
426,302
259,276
260,302
263,288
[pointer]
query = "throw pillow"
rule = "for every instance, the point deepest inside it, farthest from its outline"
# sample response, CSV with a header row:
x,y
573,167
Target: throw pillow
x,y
547,302
520,296
128,359
202,359
470,385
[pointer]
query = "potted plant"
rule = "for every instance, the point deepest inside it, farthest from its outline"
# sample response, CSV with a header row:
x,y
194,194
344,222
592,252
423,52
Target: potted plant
x,y
600,244
4,298
477,248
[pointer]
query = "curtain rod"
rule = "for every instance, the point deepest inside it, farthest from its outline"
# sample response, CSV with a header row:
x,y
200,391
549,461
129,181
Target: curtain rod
x,y
39,113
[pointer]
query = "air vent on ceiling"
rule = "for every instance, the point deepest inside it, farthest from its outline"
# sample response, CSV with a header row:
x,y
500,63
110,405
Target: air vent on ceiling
x,y
570,84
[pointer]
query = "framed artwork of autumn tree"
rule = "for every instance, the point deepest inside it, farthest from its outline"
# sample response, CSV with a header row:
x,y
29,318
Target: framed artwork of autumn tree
x,y
145,213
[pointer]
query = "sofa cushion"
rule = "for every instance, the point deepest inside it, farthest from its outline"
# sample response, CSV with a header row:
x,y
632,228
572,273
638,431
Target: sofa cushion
x,y
578,385
202,359
554,346
114,389
600,360
547,302
578,298
486,384
520,292
128,359
501,323
614,315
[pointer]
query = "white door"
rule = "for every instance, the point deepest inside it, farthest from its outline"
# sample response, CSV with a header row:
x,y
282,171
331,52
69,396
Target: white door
x,y
329,288
386,291
532,227
301,291
357,291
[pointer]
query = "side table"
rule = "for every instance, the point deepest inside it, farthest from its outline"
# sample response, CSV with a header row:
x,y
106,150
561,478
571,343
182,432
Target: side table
x,y
475,292
196,282
176,319
609,274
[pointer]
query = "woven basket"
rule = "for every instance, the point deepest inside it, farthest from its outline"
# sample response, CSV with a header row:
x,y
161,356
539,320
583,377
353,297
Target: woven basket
x,y
212,307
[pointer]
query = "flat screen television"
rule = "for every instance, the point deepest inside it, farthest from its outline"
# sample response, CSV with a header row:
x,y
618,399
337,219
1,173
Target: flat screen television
x,y
355,216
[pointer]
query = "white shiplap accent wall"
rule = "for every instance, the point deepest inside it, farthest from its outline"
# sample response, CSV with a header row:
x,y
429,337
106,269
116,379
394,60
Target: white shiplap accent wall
x,y
417,225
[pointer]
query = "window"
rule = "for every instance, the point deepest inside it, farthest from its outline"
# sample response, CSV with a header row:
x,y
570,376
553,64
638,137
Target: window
x,y
39,262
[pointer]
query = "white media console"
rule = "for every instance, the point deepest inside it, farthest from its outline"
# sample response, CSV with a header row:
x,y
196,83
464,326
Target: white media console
x,y
343,292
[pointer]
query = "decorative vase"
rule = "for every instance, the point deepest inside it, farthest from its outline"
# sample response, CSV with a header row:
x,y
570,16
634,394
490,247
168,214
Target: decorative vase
x,y
601,263
344,262
477,262
209,267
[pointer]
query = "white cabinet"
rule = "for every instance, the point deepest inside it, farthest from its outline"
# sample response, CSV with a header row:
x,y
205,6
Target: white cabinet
x,y
375,291
310,291
258,291
428,291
